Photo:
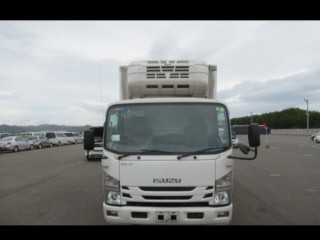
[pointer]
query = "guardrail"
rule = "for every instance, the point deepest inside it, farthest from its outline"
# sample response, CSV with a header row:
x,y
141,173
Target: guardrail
x,y
298,131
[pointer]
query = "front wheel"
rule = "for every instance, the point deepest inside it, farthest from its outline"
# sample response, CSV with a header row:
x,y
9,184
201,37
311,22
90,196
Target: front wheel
x,y
31,147
88,158
40,146
15,149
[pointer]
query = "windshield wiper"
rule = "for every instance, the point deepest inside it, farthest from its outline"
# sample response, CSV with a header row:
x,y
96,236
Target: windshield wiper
x,y
201,151
154,151
128,154
143,151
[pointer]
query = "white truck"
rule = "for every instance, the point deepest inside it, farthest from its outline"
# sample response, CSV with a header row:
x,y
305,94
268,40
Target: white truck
x,y
167,150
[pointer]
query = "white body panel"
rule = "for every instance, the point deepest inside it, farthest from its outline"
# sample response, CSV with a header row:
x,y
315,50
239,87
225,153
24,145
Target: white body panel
x,y
167,167
199,174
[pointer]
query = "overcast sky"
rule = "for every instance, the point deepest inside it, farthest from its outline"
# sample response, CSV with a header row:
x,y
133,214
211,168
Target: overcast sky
x,y
67,72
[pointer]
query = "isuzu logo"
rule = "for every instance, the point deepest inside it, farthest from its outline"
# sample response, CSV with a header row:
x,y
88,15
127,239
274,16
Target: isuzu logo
x,y
167,180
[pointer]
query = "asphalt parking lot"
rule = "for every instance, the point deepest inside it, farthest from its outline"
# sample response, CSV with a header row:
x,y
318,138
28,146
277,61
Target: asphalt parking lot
x,y
58,186
281,186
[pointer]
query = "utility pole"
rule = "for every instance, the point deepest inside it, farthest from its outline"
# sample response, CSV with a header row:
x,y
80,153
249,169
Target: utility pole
x,y
307,101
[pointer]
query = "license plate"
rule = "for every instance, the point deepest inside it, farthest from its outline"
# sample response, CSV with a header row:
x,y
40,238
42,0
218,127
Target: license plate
x,y
167,217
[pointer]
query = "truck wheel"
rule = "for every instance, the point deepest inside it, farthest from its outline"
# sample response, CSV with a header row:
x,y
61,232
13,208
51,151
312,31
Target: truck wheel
x,y
87,156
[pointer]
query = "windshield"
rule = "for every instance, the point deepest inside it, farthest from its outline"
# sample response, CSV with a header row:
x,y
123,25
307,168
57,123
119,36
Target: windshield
x,y
6,139
171,127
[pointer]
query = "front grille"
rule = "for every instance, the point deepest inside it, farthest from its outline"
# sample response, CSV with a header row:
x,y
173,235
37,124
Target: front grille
x,y
168,204
167,189
126,195
167,197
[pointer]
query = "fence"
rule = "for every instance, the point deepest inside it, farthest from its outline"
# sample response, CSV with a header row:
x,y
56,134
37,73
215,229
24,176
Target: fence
x,y
298,131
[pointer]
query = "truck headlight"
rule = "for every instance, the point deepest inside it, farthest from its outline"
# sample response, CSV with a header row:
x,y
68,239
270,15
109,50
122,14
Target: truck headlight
x,y
223,189
111,190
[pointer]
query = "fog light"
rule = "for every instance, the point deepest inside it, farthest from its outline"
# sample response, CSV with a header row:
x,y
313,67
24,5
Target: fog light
x,y
223,214
112,213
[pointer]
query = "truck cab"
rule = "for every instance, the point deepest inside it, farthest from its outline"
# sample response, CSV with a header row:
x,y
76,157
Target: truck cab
x,y
167,149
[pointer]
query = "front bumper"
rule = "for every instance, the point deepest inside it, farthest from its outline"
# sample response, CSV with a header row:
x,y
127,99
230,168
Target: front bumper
x,y
154,215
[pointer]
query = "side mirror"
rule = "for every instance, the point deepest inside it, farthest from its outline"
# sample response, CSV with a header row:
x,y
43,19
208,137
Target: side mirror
x,y
88,142
254,141
254,135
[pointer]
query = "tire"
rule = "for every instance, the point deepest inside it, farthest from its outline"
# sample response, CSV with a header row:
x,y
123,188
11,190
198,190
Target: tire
x,y
88,158
40,146
50,145
59,144
31,147
15,149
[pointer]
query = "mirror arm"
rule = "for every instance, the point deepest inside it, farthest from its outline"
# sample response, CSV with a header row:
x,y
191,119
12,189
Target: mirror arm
x,y
254,157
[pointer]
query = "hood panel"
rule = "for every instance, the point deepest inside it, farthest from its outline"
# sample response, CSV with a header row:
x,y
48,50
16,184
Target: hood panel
x,y
167,173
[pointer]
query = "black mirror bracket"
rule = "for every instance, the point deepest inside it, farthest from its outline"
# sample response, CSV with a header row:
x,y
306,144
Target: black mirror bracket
x,y
255,150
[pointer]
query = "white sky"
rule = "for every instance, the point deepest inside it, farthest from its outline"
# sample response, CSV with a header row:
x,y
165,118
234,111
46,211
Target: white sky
x,y
67,72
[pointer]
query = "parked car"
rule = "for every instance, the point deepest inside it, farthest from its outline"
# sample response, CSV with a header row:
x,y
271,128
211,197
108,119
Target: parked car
x,y
57,138
235,140
40,142
77,137
314,135
317,139
70,138
15,144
